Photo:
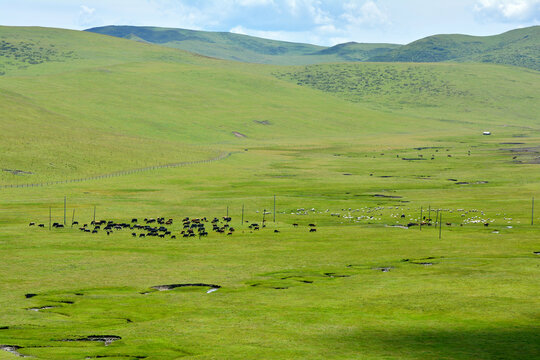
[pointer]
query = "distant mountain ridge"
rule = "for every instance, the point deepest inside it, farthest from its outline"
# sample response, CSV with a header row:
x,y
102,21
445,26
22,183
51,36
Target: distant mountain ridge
x,y
520,47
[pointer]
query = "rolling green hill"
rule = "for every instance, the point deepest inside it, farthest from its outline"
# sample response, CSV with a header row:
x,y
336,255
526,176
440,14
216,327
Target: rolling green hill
x,y
353,51
229,46
519,47
464,93
76,91
115,104
220,45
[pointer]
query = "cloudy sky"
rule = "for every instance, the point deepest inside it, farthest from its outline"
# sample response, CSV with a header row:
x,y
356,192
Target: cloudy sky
x,y
323,22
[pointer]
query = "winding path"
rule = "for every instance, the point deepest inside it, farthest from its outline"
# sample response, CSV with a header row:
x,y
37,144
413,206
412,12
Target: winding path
x,y
119,173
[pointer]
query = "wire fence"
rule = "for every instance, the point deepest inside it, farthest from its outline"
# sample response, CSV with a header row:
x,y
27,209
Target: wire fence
x,y
117,173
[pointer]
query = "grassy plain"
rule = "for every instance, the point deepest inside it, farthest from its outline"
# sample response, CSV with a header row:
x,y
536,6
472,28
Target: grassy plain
x,y
343,292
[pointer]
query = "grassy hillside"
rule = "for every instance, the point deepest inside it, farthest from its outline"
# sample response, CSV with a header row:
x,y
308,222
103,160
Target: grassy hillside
x,y
39,51
220,45
519,47
353,51
110,105
364,152
490,95
244,48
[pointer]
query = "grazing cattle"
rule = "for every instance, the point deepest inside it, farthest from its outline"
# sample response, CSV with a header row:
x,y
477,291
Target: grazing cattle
x,y
142,235
295,225
75,223
312,230
312,225
486,224
173,237
402,216
134,234
276,231
32,224
134,220
94,231
41,225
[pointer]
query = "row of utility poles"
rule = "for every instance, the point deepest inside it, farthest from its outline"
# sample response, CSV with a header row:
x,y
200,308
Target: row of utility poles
x,y
438,218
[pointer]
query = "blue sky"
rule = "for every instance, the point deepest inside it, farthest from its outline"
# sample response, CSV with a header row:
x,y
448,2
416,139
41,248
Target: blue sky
x,y
323,22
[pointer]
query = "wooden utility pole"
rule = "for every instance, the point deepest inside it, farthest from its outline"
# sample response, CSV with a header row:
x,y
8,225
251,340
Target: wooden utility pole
x,y
242,214
73,218
65,201
532,212
440,226
421,214
274,208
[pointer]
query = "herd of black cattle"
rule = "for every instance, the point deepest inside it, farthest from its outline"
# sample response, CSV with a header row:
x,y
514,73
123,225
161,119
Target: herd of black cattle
x,y
158,227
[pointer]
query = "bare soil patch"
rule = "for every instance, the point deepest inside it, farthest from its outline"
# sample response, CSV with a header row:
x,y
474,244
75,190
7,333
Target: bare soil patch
x,y
239,135
174,286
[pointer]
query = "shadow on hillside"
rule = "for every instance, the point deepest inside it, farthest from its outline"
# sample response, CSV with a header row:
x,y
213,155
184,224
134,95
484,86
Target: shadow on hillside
x,y
501,343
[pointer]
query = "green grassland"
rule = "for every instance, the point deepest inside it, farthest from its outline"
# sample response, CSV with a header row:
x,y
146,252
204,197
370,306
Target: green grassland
x,y
361,163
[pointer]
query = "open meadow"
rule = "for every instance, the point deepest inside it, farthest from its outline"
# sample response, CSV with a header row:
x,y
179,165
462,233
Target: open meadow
x,y
371,218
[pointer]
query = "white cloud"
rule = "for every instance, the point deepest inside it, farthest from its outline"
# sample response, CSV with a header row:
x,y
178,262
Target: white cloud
x,y
509,10
86,10
255,2
87,17
310,37
364,13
